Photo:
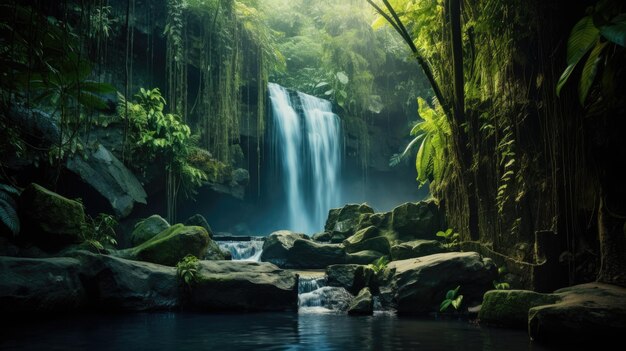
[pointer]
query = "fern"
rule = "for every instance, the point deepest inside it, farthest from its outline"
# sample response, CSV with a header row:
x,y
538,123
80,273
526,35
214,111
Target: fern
x,y
8,209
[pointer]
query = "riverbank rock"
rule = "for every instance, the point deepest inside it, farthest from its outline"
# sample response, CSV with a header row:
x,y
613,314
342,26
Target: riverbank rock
x,y
244,286
308,254
108,176
50,220
352,277
363,257
587,314
277,245
49,285
367,239
419,285
363,304
509,308
170,246
147,229
343,222
117,284
416,248
200,221
416,220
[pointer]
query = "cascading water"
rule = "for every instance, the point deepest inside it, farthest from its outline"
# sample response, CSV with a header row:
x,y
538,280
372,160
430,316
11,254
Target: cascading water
x,y
314,296
243,250
307,156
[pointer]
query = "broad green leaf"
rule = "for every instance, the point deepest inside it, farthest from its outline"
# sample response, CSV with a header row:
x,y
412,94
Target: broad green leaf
x,y
456,303
564,77
615,31
450,294
321,84
441,234
343,78
589,72
582,38
444,305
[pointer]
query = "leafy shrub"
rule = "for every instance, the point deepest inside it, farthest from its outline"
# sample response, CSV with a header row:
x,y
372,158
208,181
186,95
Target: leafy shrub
x,y
379,264
99,232
187,270
450,238
452,299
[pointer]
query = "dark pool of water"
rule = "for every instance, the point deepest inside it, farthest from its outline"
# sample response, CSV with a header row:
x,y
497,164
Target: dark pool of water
x,y
263,331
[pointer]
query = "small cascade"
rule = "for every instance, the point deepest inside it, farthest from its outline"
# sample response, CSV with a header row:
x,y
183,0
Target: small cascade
x,y
314,296
243,250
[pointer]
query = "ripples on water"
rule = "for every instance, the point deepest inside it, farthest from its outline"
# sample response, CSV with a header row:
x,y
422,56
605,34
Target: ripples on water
x,y
261,331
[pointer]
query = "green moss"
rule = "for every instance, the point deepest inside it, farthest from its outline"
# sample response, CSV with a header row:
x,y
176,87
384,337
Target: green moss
x,y
510,307
171,245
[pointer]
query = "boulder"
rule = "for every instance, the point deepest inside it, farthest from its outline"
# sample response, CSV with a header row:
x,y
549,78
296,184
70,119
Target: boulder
x,y
110,178
419,285
322,237
367,239
363,304
420,220
309,254
170,246
416,248
244,286
49,285
344,220
587,314
117,284
363,257
352,277
215,253
50,220
509,308
200,221
277,245
147,229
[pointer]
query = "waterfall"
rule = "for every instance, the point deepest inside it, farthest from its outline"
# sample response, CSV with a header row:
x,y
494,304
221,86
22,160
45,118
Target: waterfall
x,y
306,140
315,297
243,250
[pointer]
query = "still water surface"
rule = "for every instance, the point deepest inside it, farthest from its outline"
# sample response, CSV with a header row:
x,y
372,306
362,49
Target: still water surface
x,y
262,331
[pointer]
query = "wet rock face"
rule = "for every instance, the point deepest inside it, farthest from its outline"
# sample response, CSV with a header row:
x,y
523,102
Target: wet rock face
x,y
30,285
419,220
244,286
363,303
293,250
50,220
352,277
419,285
110,179
344,221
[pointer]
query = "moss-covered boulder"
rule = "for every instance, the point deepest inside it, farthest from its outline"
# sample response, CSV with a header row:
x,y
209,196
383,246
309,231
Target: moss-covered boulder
x,y
147,229
244,286
363,257
419,220
352,277
418,285
277,245
363,304
367,239
509,308
171,245
309,254
50,220
345,220
200,221
416,248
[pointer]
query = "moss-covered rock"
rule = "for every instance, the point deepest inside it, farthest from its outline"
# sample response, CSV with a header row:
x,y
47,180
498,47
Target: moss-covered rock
x,y
345,220
200,221
147,229
416,248
509,308
322,237
50,220
378,244
363,257
363,304
419,220
244,286
277,245
309,254
171,245
352,277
